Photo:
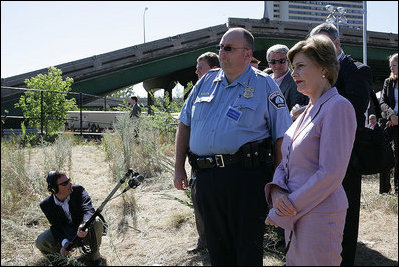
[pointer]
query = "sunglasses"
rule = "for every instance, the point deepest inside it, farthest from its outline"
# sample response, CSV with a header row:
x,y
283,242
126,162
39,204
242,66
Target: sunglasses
x,y
281,61
228,48
65,183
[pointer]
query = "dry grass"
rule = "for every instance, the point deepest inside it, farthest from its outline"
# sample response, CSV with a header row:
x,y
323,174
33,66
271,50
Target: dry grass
x,y
147,228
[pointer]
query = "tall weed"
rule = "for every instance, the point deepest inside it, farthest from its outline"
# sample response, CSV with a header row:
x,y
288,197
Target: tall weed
x,y
20,180
136,144
17,181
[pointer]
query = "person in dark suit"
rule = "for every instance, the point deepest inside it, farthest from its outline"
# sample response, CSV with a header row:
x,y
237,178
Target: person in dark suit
x,y
354,83
136,110
389,108
67,209
276,56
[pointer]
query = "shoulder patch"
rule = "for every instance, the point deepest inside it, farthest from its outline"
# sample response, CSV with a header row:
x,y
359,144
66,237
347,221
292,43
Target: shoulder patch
x,y
277,99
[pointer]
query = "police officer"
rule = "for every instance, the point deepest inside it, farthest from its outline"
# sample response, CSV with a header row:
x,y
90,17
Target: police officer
x,y
231,127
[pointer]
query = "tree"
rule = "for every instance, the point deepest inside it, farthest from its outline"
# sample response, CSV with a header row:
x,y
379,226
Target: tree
x,y
123,93
55,105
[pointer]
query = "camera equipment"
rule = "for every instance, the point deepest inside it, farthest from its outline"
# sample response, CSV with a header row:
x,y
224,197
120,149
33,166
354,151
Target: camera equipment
x,y
133,182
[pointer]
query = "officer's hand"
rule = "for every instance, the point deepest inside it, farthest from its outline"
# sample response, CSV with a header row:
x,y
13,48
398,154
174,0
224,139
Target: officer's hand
x,y
269,221
80,233
180,179
64,251
281,203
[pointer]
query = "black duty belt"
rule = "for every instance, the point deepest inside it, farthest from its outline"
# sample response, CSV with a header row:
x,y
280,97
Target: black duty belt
x,y
250,155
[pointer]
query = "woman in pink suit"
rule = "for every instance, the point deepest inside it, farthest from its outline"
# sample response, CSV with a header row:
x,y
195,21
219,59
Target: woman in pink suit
x,y
306,193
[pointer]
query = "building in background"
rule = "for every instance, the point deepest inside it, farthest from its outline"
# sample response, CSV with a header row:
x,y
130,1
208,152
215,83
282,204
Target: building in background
x,y
314,11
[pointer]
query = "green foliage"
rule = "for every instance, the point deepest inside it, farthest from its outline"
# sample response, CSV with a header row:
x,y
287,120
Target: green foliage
x,y
3,121
136,144
126,106
123,93
26,138
188,87
55,105
20,185
188,203
162,119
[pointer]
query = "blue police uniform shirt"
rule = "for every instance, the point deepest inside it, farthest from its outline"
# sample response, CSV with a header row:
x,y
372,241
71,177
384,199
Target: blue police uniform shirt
x,y
223,116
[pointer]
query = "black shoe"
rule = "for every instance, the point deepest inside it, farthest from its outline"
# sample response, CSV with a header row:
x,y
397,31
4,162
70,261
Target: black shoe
x,y
195,249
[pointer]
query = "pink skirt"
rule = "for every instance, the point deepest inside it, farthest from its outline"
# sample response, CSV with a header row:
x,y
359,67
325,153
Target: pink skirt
x,y
316,240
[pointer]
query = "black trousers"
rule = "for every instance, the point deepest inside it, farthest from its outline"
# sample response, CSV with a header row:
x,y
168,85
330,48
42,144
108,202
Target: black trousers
x,y
232,203
352,184
396,151
385,179
199,222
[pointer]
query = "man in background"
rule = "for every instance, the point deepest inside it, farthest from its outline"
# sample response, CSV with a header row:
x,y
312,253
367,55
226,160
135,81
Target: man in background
x,y
136,110
276,56
354,83
205,62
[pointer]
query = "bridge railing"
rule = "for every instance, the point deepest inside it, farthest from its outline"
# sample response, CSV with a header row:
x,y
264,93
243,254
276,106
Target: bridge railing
x,y
297,30
129,56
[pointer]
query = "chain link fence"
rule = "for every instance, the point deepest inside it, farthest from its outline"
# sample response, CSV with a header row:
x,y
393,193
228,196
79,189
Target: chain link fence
x,y
94,114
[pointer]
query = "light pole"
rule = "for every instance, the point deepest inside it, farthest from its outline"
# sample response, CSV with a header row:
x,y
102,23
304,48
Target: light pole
x,y
144,22
336,16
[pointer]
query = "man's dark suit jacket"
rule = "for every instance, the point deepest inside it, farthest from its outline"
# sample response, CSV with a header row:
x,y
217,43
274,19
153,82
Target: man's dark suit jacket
x,y
387,100
292,96
135,111
354,83
80,207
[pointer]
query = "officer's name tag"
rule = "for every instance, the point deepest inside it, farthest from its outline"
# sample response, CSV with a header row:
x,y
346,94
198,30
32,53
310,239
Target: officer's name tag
x,y
234,114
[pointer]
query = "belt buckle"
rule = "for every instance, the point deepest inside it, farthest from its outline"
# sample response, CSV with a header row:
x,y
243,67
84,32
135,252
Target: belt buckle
x,y
219,161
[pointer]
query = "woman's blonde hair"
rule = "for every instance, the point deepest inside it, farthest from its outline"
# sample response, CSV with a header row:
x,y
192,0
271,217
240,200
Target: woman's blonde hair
x,y
393,57
320,49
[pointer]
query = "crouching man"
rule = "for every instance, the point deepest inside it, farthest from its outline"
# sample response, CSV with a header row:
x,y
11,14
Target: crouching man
x,y
67,209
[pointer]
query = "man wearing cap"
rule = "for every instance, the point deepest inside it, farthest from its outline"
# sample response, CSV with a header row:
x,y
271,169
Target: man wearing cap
x,y
231,127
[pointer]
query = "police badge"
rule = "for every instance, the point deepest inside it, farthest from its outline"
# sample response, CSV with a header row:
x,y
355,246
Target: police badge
x,y
248,92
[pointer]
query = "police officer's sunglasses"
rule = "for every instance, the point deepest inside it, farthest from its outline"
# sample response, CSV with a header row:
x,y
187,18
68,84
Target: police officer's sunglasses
x,y
65,183
228,48
281,61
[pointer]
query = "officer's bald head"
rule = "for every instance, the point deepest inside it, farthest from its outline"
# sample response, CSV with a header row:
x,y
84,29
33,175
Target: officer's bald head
x,y
247,37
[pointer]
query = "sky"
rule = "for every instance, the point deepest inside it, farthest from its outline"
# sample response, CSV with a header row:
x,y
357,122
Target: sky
x,y
39,34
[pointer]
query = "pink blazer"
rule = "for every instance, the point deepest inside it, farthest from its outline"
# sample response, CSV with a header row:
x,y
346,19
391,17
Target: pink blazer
x,y
315,159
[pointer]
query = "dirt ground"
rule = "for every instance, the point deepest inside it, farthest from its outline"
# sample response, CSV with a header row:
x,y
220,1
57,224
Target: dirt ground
x,y
148,227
